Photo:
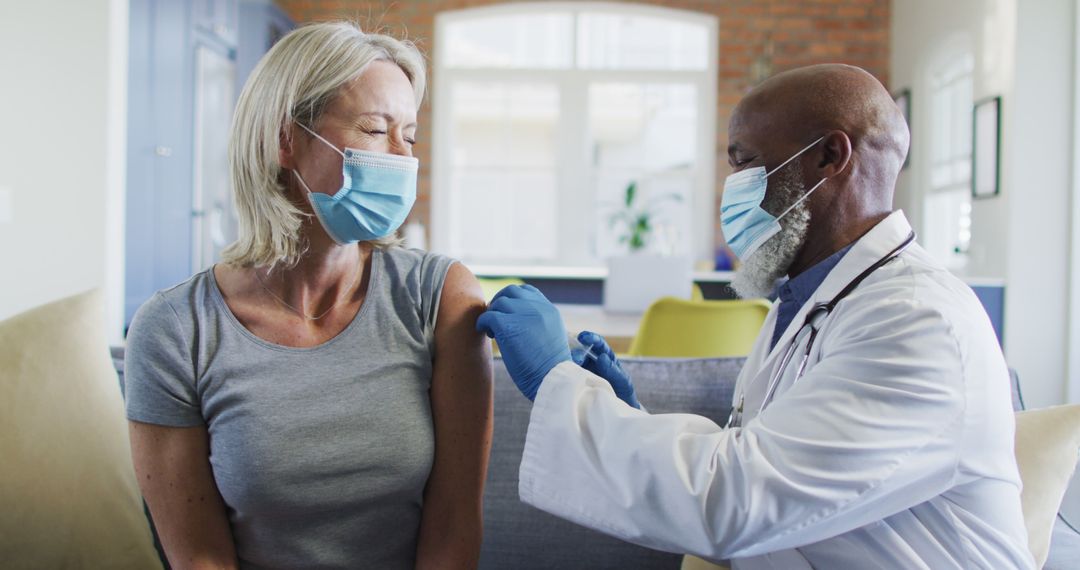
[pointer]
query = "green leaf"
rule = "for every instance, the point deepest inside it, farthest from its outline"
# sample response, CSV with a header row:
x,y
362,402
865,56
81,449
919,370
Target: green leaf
x,y
631,192
642,224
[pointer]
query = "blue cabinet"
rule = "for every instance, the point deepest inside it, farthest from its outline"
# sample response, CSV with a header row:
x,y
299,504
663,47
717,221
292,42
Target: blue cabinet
x,y
263,24
218,18
182,83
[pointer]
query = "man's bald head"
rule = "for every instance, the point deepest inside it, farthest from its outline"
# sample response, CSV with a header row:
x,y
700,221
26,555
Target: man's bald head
x,y
803,104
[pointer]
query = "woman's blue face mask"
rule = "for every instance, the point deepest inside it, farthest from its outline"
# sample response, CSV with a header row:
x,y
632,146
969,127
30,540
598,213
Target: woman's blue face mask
x,y
745,224
377,194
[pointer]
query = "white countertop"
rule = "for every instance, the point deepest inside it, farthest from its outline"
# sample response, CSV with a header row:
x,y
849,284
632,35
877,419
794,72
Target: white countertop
x,y
571,272
600,273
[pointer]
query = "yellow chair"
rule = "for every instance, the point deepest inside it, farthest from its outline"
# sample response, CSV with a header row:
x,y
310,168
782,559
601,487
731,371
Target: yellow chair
x,y
679,328
491,286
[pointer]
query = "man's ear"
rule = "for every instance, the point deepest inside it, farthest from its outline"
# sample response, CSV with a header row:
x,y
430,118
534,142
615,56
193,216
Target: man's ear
x,y
835,154
286,158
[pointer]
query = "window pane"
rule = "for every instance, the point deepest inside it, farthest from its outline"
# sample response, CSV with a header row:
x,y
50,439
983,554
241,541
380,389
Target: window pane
x,y
504,124
503,175
540,40
502,215
617,41
646,134
952,100
652,127
665,197
948,225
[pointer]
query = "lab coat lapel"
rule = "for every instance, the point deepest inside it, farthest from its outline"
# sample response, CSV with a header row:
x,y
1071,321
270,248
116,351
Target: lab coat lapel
x,y
876,244
870,248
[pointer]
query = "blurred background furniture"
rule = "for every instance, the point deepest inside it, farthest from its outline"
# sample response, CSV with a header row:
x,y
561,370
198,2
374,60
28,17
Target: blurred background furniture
x,y
699,329
68,476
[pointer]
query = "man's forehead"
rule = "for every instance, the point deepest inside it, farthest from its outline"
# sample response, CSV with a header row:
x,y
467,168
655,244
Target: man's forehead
x,y
745,126
759,117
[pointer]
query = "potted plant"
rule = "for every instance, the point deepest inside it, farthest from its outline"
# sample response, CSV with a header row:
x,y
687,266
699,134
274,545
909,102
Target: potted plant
x,y
643,274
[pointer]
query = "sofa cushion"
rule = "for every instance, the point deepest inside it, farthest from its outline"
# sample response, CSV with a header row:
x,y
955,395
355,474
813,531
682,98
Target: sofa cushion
x,y
1047,442
521,537
68,486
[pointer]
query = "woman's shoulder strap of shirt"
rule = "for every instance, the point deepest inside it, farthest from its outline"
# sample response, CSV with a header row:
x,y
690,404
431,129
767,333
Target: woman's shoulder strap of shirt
x,y
420,276
159,367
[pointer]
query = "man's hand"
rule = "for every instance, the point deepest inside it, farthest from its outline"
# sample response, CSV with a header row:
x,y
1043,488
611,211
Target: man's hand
x,y
606,366
530,334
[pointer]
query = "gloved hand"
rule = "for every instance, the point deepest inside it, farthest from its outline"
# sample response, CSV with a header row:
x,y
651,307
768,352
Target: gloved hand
x,y
530,334
606,366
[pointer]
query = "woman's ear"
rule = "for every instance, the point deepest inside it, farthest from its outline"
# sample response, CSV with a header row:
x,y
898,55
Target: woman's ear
x,y
286,158
835,154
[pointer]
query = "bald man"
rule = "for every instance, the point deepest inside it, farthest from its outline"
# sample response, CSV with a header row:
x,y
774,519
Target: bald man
x,y
872,425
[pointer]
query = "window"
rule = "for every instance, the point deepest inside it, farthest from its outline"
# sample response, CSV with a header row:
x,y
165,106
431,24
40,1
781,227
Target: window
x,y
545,113
948,203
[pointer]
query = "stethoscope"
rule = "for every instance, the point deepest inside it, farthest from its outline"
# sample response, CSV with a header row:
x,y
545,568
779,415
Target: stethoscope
x,y
814,319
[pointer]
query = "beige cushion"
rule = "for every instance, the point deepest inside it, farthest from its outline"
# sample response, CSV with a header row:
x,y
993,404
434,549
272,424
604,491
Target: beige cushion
x,y
1047,443
67,485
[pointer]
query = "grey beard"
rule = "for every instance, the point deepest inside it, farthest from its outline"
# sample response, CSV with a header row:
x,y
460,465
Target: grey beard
x,y
758,275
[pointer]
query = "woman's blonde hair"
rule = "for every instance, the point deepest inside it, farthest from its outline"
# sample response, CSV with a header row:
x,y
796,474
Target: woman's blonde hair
x,y
295,81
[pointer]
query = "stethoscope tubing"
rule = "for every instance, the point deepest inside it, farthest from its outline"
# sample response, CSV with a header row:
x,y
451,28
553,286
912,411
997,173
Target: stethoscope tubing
x,y
814,320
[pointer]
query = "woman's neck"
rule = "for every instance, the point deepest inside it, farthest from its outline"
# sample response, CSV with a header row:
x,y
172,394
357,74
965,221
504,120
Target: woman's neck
x,y
324,278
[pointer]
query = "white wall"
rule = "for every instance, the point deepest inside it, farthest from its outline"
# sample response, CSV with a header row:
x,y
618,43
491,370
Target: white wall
x,y
64,70
924,31
1041,180
1024,53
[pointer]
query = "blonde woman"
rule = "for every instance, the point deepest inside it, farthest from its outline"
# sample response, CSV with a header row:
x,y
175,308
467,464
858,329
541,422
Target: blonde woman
x,y
320,398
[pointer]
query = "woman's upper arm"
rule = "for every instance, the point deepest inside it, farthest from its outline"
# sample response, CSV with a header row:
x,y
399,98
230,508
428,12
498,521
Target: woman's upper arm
x,y
461,384
173,469
461,406
169,441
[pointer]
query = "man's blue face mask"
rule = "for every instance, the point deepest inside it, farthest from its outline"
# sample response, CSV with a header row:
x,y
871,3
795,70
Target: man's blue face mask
x,y
746,225
377,193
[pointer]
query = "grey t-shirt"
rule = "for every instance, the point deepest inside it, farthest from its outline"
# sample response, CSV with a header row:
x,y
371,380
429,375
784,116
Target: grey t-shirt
x,y
321,453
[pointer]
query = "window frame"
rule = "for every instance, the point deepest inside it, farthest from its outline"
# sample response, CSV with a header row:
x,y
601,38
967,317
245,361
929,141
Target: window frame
x,y
573,86
945,64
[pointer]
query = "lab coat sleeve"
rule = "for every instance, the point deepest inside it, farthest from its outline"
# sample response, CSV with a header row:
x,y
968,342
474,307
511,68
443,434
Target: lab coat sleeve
x,y
871,430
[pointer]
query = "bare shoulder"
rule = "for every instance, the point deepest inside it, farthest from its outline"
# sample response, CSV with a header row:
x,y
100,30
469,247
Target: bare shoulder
x,y
461,295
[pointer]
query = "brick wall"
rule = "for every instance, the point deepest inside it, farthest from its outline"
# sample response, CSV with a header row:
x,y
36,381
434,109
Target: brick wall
x,y
794,32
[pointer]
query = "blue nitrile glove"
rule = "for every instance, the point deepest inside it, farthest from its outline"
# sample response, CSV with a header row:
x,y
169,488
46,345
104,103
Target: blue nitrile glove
x,y
530,334
606,366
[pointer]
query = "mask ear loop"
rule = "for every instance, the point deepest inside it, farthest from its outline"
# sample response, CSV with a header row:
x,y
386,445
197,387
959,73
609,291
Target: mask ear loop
x,y
337,150
767,174
804,196
302,183
328,143
785,163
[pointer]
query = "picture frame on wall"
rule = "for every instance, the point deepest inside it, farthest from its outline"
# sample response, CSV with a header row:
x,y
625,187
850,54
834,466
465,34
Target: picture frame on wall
x,y
903,100
986,148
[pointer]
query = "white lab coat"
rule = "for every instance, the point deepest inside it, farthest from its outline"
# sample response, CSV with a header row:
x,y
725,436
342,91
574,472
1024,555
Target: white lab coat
x,y
894,450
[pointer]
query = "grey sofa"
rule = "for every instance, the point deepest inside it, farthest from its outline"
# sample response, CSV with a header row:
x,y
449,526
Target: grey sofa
x,y
520,537
523,538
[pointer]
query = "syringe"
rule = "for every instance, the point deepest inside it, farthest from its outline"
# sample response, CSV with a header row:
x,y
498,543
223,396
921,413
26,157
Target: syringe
x,y
575,344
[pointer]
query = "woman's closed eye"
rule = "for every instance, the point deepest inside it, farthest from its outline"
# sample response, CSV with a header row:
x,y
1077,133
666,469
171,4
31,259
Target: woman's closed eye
x,y
381,133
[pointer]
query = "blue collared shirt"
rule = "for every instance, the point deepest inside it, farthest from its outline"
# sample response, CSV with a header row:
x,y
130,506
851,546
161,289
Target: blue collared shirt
x,y
794,293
